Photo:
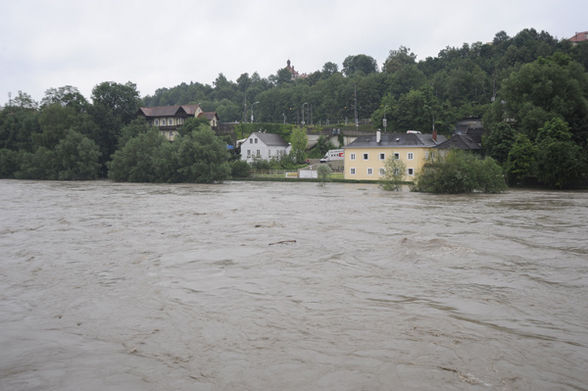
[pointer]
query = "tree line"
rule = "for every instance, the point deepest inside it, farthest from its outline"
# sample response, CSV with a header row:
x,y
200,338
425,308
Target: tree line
x,y
531,91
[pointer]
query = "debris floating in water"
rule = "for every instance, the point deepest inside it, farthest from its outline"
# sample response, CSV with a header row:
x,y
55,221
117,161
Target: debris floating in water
x,y
283,242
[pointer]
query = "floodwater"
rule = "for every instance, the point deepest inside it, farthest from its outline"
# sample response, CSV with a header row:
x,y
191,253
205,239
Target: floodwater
x,y
290,286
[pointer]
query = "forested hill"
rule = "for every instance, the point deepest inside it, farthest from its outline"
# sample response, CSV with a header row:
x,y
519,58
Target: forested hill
x,y
459,82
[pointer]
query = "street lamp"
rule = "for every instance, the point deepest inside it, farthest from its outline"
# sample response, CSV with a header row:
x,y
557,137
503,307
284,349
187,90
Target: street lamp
x,y
253,105
305,103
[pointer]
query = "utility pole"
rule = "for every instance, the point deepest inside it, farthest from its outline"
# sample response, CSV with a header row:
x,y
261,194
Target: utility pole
x,y
253,105
355,106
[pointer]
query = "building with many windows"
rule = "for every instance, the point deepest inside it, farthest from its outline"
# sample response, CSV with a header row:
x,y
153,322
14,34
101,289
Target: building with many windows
x,y
365,157
169,118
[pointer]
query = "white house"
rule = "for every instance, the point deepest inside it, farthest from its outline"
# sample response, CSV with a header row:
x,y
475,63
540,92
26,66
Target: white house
x,y
264,146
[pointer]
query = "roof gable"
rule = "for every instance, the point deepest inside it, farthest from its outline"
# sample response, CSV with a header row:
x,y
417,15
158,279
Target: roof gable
x,y
170,111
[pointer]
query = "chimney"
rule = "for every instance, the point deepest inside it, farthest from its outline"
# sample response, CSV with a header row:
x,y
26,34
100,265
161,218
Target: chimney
x,y
378,136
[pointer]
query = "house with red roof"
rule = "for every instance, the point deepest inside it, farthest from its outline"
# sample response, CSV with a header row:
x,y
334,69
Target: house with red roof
x,y
580,37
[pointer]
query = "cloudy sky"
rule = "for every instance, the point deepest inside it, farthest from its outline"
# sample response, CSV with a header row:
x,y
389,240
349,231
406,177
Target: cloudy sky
x,y
53,43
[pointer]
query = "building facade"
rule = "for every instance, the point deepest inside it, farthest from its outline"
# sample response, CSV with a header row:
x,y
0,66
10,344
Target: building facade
x,y
365,158
263,146
169,118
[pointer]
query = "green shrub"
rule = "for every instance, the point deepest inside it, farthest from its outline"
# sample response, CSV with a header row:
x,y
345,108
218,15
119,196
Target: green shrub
x,y
460,172
240,169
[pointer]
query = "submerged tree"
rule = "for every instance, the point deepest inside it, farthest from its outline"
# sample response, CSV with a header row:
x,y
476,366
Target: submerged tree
x,y
460,172
393,174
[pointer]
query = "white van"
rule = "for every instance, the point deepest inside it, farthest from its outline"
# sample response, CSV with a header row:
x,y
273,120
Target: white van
x,y
332,154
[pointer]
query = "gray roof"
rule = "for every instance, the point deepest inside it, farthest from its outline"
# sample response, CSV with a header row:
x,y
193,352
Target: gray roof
x,y
390,140
460,141
271,139
169,111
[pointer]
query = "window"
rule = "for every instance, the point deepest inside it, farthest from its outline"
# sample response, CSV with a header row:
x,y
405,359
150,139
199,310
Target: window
x,y
382,171
156,122
366,156
352,156
426,154
352,170
255,141
410,156
370,171
248,153
258,153
250,141
396,156
382,156
410,171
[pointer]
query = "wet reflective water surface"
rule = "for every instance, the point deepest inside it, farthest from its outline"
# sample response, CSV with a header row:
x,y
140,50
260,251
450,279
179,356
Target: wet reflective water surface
x,y
290,286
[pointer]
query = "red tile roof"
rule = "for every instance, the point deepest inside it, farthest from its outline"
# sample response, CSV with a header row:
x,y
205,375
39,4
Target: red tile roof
x,y
580,37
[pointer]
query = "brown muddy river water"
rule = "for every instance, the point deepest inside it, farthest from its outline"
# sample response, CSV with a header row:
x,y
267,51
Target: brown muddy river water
x,y
290,286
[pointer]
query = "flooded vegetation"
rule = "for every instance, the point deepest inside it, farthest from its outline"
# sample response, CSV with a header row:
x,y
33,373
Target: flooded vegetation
x,y
260,285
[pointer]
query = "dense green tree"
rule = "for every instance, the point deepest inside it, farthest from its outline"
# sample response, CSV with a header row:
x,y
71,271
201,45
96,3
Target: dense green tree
x,y
65,96
77,157
545,88
460,172
560,161
40,164
329,69
359,63
122,100
499,141
240,169
202,157
141,159
133,129
24,101
521,163
18,127
299,140
398,59
9,162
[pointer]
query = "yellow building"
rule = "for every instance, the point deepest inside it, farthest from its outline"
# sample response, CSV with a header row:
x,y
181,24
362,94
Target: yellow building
x,y
365,157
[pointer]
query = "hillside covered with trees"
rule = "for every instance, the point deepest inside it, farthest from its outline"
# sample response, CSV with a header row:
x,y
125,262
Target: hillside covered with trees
x,y
531,91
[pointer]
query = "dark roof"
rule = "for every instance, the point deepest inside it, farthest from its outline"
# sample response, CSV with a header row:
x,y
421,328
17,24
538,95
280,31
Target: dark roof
x,y
271,139
396,139
169,111
209,115
460,141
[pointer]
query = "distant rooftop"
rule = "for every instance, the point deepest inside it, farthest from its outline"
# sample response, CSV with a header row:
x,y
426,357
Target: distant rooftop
x,y
396,140
580,37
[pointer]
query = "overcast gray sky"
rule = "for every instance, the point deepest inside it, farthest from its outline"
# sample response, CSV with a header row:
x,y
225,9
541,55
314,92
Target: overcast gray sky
x,y
53,43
